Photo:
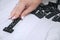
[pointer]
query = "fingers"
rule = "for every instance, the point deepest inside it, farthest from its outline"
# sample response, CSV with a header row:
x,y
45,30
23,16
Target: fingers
x,y
23,8
17,11
28,10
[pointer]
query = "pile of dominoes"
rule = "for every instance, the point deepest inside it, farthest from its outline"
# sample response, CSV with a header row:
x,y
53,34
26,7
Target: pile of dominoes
x,y
48,11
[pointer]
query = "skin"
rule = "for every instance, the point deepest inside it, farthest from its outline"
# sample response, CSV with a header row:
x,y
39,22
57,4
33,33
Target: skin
x,y
23,8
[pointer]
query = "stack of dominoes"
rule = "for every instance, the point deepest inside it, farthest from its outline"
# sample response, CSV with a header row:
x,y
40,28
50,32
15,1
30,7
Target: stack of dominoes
x,y
48,11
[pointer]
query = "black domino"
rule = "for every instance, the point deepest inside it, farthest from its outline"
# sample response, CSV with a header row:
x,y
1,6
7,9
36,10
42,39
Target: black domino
x,y
10,27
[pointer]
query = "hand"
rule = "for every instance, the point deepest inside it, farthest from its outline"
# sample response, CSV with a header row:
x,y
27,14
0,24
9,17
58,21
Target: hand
x,y
24,7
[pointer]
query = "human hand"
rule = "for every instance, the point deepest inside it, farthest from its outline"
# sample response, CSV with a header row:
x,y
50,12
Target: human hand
x,y
23,8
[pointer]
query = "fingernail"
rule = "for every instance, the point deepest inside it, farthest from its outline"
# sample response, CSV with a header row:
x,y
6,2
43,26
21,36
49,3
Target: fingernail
x,y
22,17
13,17
9,17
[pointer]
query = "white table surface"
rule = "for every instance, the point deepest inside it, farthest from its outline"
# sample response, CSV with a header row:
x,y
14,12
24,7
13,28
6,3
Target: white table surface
x,y
30,28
